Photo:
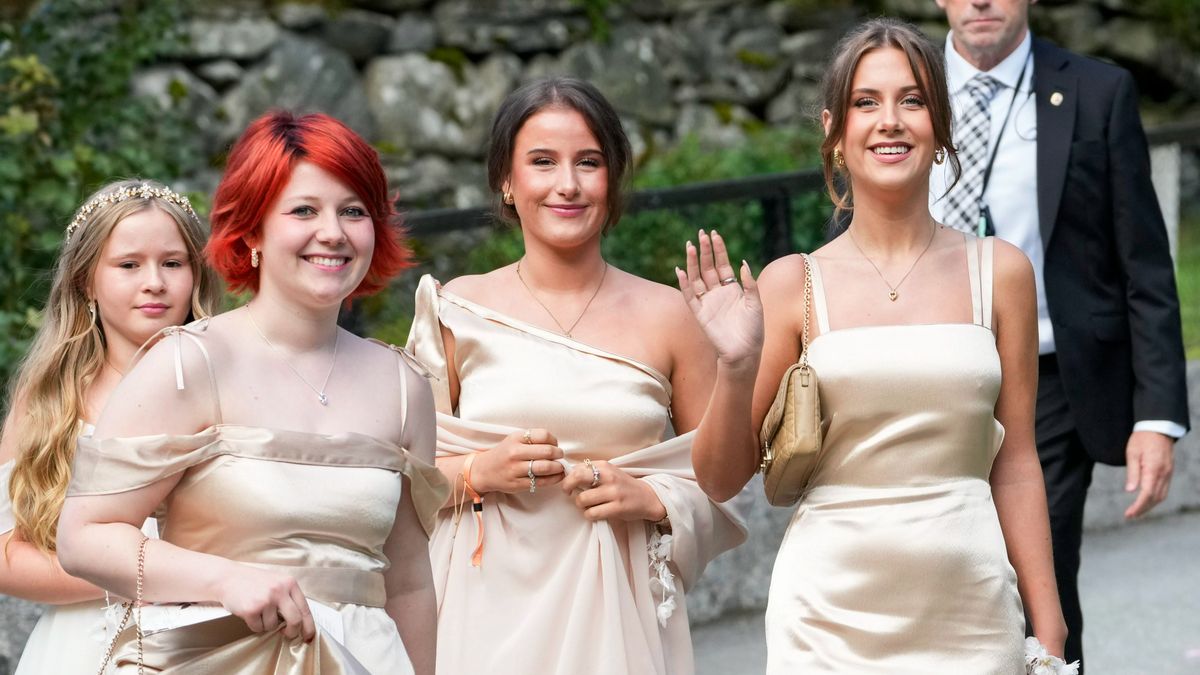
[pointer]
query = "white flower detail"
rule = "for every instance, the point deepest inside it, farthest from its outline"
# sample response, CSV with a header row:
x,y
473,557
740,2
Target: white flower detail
x,y
1038,661
662,580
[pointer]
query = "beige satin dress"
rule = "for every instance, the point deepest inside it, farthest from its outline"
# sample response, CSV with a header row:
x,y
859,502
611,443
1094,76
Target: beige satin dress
x,y
556,594
317,507
67,639
894,562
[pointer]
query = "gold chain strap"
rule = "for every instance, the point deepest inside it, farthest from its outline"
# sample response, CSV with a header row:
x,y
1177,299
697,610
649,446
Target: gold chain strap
x,y
129,607
808,293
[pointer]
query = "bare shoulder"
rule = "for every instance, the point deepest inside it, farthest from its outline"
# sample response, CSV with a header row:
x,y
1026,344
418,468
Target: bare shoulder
x,y
475,287
783,272
389,362
170,389
1010,265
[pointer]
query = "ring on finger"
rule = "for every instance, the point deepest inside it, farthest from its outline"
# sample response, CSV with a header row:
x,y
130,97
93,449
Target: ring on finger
x,y
595,473
728,280
532,478
527,439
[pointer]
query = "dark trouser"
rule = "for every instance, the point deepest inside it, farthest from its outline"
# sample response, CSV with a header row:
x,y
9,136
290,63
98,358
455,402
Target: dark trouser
x,y
1067,469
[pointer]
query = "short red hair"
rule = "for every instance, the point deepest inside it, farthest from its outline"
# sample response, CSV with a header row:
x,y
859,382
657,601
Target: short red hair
x,y
259,168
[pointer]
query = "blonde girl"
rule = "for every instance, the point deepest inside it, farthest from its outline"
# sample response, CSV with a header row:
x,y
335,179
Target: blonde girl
x,y
131,264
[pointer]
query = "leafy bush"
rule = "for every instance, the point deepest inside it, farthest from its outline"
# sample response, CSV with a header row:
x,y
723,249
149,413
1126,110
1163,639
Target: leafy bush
x,y
69,124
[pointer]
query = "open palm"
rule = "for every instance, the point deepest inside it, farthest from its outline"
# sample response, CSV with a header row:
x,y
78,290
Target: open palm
x,y
730,313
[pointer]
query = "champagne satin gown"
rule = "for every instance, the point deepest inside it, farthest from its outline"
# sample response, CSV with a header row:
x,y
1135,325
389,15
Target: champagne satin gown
x,y
894,561
554,593
67,639
317,507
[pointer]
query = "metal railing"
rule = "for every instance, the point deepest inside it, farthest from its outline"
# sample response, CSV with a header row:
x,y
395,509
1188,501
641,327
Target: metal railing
x,y
773,192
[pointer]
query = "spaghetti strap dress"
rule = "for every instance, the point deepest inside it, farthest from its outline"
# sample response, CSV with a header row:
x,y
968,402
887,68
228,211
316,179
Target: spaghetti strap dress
x,y
317,507
894,561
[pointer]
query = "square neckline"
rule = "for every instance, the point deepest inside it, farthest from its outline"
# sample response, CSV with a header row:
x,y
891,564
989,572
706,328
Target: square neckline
x,y
979,273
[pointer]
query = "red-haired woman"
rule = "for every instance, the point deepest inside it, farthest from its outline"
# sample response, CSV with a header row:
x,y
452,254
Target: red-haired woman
x,y
312,536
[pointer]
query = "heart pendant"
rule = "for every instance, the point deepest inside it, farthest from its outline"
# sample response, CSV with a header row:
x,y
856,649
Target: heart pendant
x,y
323,399
893,295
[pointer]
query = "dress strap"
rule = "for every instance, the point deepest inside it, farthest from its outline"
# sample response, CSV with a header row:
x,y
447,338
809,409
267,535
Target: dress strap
x,y
178,332
979,269
7,520
402,358
970,245
820,309
985,280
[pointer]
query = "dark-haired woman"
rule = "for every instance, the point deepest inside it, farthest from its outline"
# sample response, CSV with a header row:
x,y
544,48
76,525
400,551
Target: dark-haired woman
x,y
923,533
293,459
565,390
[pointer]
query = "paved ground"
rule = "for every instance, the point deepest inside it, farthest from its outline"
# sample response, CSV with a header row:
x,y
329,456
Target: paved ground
x,y
1141,593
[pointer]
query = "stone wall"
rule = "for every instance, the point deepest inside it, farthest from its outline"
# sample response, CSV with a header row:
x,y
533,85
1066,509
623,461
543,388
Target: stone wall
x,y
422,78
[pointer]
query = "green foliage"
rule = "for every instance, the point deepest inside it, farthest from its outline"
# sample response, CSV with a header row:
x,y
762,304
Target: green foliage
x,y
1179,17
597,14
650,243
68,124
1187,279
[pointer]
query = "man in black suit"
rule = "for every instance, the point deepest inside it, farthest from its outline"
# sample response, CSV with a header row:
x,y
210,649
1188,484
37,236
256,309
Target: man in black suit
x,y
1055,160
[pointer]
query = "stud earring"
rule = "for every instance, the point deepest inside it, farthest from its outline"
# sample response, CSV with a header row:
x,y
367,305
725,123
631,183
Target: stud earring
x,y
254,257
939,156
92,309
508,198
839,160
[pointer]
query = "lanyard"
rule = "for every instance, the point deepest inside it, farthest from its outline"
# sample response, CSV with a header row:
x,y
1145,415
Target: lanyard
x,y
984,215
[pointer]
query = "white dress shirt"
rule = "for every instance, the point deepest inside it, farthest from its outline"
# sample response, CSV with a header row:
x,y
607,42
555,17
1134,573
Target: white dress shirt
x,y
1011,193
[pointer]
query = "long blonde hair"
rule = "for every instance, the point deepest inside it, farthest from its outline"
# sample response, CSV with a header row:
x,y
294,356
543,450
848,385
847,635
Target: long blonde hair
x,y
68,353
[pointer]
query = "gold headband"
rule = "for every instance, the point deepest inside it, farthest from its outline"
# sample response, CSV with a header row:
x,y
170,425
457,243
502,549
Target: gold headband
x,y
126,193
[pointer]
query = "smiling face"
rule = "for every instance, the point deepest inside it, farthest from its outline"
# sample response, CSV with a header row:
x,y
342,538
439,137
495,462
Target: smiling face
x,y
143,279
316,241
986,31
558,179
887,139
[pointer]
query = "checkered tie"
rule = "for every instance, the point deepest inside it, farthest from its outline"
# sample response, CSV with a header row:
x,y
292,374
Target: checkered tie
x,y
971,137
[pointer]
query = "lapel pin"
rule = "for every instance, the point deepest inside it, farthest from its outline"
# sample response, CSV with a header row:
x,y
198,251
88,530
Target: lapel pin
x,y
1056,98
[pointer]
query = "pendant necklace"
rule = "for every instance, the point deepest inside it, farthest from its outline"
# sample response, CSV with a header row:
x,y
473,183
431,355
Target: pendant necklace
x,y
321,396
564,331
893,291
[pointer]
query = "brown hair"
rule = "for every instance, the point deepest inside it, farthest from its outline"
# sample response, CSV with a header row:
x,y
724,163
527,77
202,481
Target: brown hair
x,y
573,94
929,69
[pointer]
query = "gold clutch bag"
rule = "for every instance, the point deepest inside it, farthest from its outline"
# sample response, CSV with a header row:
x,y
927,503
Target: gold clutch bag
x,y
791,431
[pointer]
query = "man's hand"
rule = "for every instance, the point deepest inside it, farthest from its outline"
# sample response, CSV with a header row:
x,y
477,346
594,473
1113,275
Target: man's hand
x,y
1150,461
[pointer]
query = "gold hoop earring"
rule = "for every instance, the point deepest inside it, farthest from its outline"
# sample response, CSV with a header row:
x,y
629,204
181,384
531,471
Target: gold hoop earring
x,y
92,309
939,156
839,160
508,198
254,257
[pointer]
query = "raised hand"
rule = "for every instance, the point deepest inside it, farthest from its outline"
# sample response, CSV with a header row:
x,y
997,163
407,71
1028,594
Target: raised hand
x,y
730,313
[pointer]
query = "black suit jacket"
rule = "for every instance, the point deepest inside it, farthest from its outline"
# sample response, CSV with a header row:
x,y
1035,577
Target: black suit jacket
x,y
1109,278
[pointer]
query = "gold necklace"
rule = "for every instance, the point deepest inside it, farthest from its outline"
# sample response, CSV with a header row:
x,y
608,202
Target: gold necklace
x,y
321,397
564,331
893,291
